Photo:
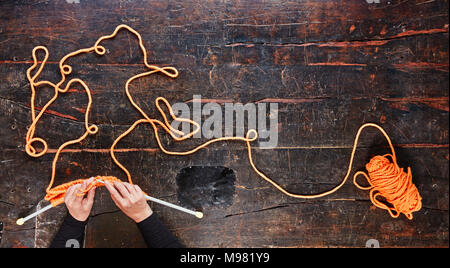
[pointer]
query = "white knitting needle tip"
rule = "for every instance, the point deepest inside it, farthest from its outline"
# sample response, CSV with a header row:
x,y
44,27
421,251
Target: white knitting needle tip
x,y
21,221
197,214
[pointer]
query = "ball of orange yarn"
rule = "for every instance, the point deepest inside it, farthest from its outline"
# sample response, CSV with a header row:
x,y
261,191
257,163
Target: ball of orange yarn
x,y
395,185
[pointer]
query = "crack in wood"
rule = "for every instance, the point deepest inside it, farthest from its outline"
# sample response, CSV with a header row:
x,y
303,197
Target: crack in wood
x,y
7,203
155,150
346,43
104,213
255,211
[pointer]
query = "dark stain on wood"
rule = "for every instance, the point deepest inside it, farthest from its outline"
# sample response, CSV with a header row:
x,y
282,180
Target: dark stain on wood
x,y
202,187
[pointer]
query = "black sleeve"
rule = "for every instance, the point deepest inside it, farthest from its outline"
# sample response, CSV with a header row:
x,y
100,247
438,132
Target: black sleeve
x,y
70,229
156,235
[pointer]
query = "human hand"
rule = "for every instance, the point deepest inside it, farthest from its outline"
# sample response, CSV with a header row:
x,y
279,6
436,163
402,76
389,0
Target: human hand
x,y
130,199
80,206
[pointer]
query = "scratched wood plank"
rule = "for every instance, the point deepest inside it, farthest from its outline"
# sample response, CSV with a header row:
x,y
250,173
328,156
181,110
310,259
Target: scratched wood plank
x,y
331,66
303,124
198,25
299,170
240,83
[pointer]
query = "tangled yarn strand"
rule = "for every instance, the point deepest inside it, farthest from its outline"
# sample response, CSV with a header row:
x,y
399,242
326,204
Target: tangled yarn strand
x,y
386,180
65,70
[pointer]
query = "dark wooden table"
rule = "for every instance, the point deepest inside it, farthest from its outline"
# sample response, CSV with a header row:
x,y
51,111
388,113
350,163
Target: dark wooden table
x,y
330,65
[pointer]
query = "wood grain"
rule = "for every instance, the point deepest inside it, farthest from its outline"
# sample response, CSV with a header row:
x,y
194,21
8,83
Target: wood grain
x,y
330,65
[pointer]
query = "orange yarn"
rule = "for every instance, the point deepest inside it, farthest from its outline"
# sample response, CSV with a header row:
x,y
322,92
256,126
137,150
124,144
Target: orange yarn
x,y
386,179
56,195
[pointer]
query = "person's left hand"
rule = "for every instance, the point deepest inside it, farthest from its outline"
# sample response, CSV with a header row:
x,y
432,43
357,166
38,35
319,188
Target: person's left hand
x,y
80,206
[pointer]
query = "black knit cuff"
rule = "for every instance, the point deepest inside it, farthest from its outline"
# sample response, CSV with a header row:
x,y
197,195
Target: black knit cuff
x,y
69,220
156,235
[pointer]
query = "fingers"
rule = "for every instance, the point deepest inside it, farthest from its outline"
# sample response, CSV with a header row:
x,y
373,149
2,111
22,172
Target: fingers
x,y
116,197
79,197
137,188
130,199
69,196
130,189
79,205
122,190
135,196
87,182
90,197
139,191
72,195
124,194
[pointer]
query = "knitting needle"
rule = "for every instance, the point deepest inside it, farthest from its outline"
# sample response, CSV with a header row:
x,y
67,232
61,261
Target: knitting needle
x,y
197,214
21,221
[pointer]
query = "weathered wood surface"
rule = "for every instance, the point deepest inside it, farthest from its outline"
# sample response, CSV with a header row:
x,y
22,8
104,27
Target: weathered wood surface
x,y
330,65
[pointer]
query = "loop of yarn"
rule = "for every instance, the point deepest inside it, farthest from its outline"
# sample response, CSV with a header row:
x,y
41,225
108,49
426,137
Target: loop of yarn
x,y
391,182
386,179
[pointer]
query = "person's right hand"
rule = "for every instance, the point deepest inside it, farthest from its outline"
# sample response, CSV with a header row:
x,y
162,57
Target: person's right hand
x,y
130,199
80,206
